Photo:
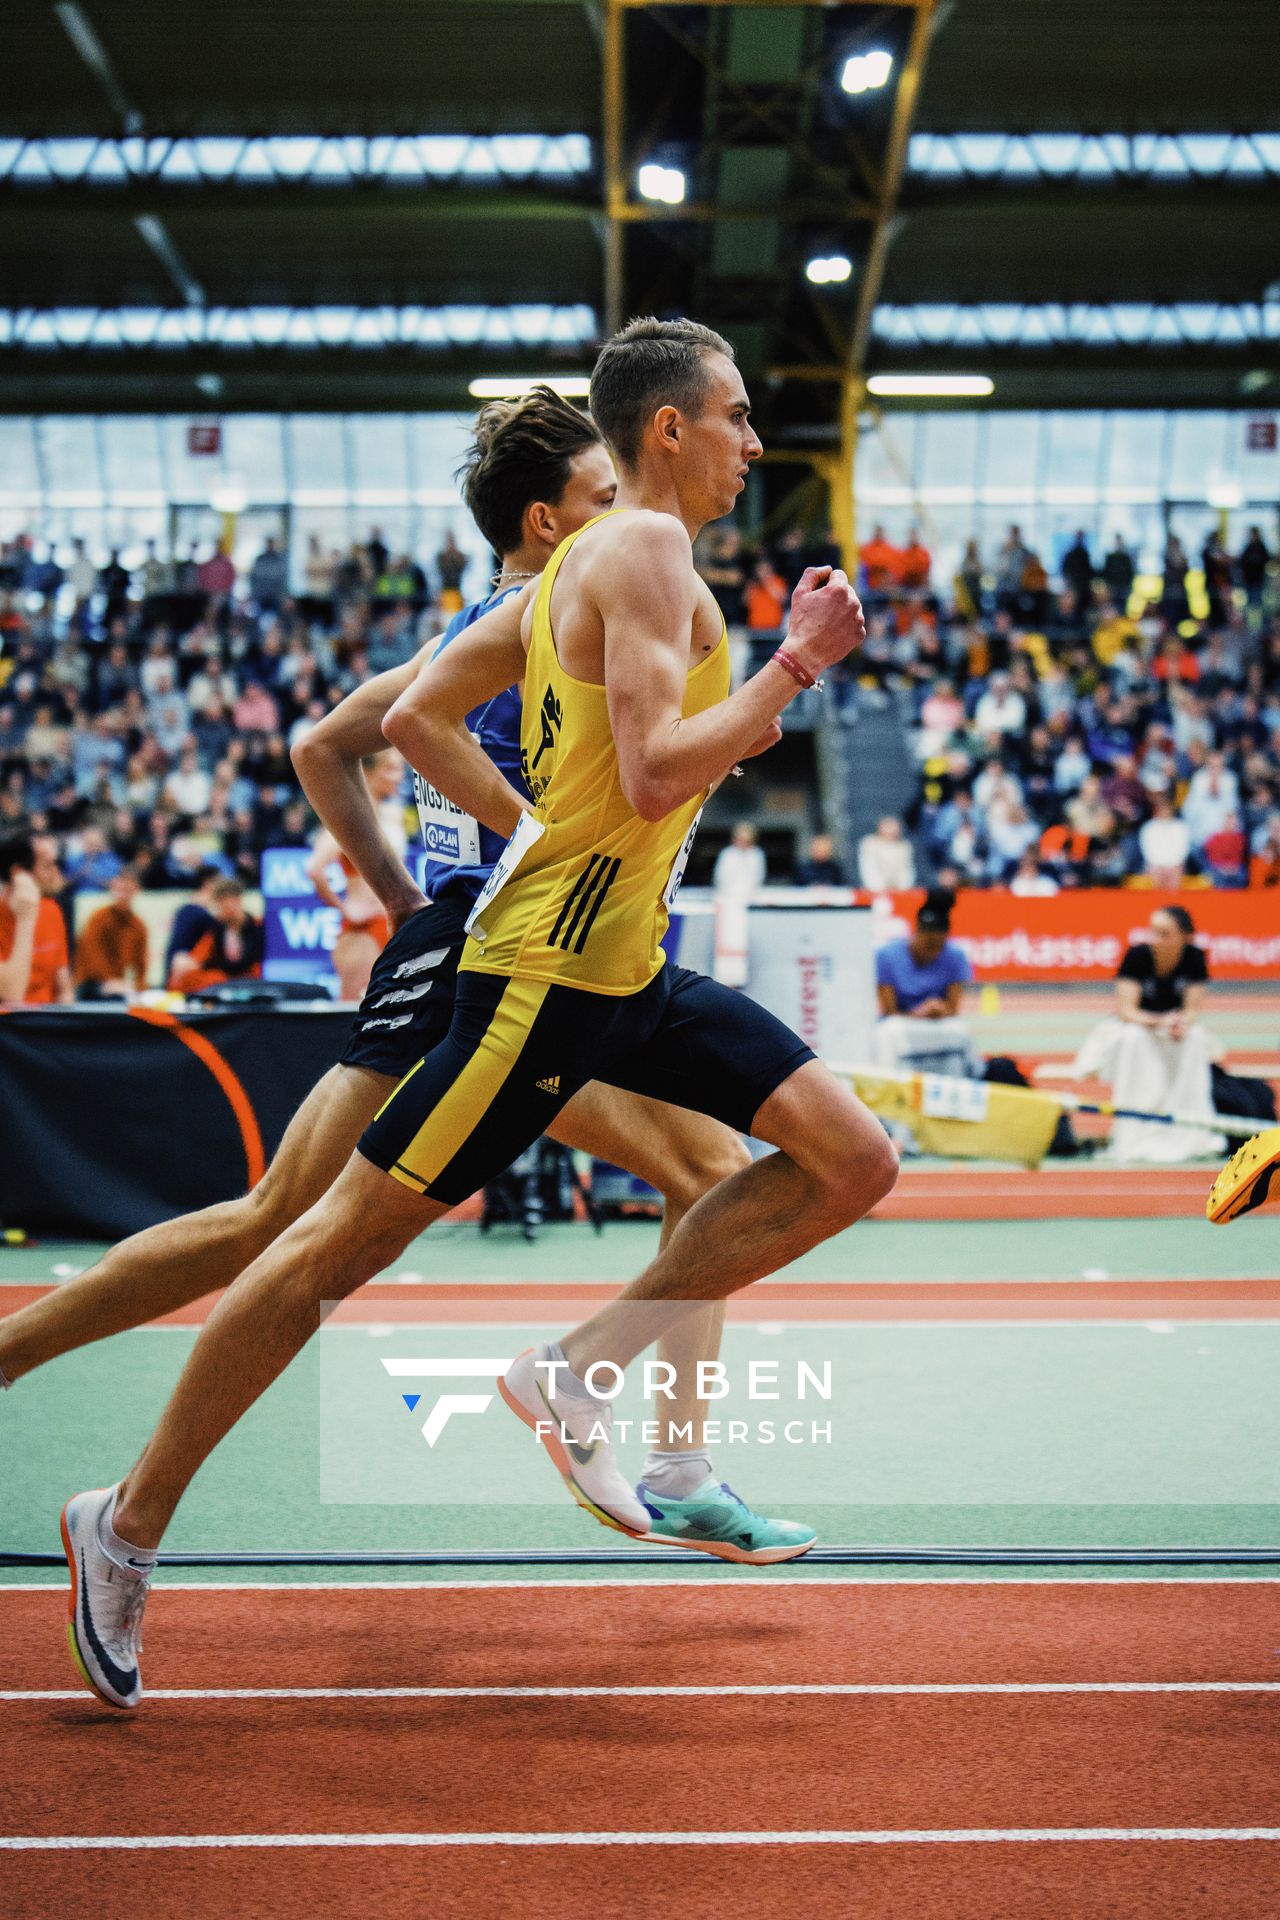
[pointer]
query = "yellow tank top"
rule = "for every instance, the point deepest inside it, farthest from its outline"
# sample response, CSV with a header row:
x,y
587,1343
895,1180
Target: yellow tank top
x,y
585,897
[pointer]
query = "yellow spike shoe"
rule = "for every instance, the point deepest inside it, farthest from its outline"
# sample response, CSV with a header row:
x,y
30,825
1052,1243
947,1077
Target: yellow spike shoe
x,y
1248,1179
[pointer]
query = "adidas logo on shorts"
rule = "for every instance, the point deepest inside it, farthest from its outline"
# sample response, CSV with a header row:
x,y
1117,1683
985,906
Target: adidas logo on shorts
x,y
550,1085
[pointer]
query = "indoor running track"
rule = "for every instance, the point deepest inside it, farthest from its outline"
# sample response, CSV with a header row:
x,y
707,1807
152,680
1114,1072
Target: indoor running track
x,y
766,1745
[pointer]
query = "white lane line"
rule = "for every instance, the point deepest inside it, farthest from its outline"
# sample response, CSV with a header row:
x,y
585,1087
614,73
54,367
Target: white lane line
x,y
840,1689
837,1837
708,1581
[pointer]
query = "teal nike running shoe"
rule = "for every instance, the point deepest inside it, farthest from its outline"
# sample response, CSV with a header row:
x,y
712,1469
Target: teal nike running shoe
x,y
715,1520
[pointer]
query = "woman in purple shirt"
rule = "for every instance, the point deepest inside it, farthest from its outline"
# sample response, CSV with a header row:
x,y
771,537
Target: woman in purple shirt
x,y
923,977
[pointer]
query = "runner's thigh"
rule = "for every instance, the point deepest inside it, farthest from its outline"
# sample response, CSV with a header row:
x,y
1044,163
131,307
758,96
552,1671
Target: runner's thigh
x,y
713,1050
667,1146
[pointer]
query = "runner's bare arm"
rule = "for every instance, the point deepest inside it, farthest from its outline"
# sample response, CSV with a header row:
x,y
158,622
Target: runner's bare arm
x,y
645,595
327,762
323,854
428,721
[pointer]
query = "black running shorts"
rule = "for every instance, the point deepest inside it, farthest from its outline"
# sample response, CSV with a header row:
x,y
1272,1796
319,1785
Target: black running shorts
x,y
409,1003
519,1049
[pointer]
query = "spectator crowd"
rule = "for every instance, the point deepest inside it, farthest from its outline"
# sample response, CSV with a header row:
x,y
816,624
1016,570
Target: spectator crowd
x,y
1094,735
1092,730
1097,729
147,718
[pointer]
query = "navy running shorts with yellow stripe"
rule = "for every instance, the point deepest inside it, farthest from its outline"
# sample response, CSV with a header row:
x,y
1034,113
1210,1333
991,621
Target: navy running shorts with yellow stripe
x,y
519,1049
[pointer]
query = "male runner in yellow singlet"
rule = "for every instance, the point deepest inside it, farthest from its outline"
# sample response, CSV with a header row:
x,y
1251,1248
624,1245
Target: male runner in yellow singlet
x,y
536,471
627,725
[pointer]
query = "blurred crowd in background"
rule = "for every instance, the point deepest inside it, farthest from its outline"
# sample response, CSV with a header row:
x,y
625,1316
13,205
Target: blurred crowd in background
x,y
1099,728
1096,728
149,722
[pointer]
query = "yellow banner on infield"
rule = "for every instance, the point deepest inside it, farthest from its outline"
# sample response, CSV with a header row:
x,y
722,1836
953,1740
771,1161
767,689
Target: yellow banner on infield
x,y
962,1119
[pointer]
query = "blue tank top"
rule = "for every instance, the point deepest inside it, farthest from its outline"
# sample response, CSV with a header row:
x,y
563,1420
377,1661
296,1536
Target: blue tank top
x,y
473,849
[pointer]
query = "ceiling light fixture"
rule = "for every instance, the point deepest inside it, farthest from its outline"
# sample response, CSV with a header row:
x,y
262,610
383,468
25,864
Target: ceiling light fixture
x,y
1224,493
665,184
570,386
866,71
828,270
229,495
930,386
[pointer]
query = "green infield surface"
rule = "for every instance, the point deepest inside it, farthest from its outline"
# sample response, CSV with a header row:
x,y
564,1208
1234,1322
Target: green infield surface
x,y
998,1383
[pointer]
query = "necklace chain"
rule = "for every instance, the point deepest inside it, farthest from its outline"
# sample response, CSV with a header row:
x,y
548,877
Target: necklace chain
x,y
514,573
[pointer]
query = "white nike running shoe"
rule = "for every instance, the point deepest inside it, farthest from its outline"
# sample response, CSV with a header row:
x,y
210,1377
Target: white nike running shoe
x,y
104,1621
579,1438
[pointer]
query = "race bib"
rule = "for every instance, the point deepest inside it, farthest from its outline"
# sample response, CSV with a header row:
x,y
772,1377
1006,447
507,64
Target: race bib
x,y
448,833
527,834
681,862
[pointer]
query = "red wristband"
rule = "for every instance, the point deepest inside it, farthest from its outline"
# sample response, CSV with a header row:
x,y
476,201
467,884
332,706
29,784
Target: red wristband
x,y
791,665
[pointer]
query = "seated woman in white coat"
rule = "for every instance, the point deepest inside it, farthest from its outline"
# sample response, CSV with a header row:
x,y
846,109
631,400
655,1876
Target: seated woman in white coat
x,y
1153,1050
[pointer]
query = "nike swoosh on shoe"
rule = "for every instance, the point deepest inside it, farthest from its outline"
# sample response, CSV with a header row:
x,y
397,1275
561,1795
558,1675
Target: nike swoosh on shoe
x,y
581,1451
122,1679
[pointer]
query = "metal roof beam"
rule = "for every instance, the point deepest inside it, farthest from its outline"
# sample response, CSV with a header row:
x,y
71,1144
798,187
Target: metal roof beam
x,y
1001,362
786,209
906,97
157,236
83,36
258,380
150,227
1088,158
614,148
638,6
415,200
1160,196
412,361
997,361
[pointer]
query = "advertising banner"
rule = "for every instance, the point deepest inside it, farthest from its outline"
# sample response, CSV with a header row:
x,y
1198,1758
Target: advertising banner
x,y
298,928
1075,936
809,951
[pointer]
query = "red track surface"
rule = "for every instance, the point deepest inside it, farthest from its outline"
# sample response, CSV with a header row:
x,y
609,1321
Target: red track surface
x,y
472,1302
784,1764
694,1635
1052,1193
1115,1881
